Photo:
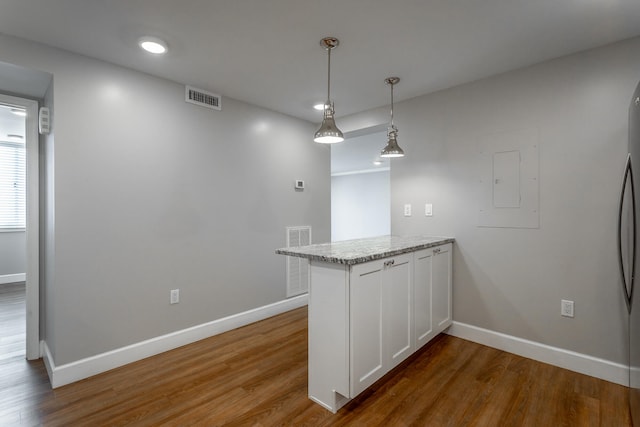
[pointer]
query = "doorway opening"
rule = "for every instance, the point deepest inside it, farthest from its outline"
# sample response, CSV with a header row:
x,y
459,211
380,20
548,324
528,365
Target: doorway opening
x,y
360,186
19,227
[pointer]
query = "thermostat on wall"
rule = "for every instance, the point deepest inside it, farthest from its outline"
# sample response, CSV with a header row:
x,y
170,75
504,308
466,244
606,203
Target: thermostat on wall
x,y
299,184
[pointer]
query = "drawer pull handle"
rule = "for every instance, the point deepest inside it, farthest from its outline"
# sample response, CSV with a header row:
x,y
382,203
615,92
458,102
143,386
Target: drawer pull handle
x,y
389,263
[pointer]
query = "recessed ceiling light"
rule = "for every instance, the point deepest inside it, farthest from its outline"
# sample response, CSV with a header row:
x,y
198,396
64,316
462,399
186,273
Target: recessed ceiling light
x,y
153,45
319,107
377,162
19,112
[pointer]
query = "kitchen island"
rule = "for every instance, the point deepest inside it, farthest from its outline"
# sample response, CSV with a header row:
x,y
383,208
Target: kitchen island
x,y
372,303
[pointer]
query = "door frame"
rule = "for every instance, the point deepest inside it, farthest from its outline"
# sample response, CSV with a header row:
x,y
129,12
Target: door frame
x,y
32,223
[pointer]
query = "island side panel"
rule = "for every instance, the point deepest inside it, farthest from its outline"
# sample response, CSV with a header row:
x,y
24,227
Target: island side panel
x,y
328,334
442,287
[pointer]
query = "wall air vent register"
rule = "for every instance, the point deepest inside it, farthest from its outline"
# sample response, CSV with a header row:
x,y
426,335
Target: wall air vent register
x,y
202,98
298,271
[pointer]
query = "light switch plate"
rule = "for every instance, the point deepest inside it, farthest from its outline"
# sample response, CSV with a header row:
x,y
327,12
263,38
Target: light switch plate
x,y
407,210
428,209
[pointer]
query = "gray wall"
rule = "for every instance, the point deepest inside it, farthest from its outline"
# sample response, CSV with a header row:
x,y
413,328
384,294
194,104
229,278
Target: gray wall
x,y
152,194
512,280
149,194
13,252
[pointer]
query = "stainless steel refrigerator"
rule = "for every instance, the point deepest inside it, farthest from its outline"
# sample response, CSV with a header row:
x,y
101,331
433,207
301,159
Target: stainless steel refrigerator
x,y
628,223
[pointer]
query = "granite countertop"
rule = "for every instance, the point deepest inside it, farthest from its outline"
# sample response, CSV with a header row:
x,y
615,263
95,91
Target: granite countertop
x,y
357,251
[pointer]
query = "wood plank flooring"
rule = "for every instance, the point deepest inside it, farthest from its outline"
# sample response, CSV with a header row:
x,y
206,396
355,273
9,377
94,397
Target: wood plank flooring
x,y
12,320
22,383
257,376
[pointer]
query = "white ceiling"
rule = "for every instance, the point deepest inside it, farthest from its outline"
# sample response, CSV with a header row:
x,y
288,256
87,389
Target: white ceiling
x,y
266,52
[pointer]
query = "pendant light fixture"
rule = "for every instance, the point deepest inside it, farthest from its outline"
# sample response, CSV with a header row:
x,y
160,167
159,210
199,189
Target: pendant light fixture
x,y
328,132
392,149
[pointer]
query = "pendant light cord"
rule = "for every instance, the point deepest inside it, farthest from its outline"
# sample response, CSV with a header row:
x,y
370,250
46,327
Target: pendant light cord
x,y
391,105
328,79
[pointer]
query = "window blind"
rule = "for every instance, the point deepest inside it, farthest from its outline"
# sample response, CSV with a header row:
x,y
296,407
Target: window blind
x,y
12,185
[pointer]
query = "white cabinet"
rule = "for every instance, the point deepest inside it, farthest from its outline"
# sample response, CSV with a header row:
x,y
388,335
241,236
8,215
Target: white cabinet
x,y
381,332
432,292
366,318
398,310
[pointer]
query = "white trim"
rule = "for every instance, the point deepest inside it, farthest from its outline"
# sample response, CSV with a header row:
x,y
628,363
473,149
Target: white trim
x,y
84,368
12,278
47,358
33,232
571,360
359,172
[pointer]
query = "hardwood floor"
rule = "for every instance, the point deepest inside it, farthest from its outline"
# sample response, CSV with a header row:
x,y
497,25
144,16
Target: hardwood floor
x,y
257,376
22,383
12,320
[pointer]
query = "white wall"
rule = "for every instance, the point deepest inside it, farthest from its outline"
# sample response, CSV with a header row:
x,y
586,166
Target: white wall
x,y
512,280
360,205
13,250
147,193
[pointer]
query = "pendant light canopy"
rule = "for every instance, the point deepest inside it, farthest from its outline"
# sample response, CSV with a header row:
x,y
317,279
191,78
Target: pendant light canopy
x,y
329,132
392,149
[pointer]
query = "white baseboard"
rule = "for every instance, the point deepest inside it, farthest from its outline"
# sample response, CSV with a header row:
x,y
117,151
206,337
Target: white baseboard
x,y
577,362
48,361
13,278
84,368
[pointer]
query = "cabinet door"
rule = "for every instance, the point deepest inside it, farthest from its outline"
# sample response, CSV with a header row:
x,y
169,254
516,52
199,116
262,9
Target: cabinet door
x,y
398,309
366,326
422,296
441,284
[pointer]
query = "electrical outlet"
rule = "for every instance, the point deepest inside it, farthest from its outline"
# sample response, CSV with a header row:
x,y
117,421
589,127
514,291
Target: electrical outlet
x,y
175,296
407,210
566,308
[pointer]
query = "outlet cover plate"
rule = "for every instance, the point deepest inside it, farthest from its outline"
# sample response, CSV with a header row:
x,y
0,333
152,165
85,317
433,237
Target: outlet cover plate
x,y
175,296
566,308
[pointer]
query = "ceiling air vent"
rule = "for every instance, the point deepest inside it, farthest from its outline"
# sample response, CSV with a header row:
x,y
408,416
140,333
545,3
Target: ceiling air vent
x,y
202,98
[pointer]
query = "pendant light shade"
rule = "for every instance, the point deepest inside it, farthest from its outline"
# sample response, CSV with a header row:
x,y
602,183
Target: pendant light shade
x,y
328,132
392,149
